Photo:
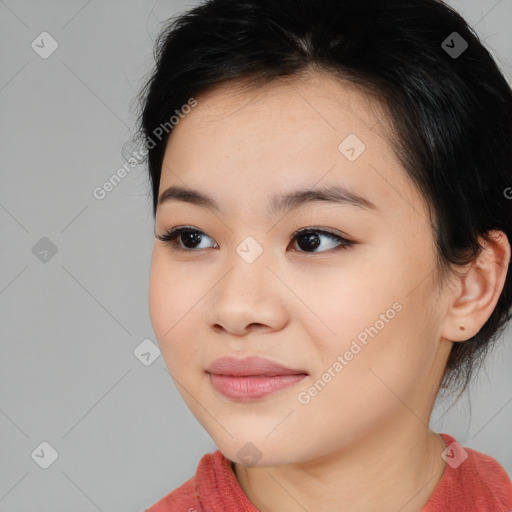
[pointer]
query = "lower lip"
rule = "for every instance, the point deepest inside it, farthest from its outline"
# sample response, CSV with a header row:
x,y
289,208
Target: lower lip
x,y
250,387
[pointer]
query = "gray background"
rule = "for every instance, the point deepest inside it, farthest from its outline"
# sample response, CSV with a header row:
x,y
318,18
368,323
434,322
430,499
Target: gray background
x,y
70,324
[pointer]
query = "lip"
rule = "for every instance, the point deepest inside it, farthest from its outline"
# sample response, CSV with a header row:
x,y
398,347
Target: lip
x,y
250,366
251,377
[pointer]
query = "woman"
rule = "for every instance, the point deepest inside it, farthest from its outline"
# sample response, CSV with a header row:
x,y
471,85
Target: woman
x,y
332,251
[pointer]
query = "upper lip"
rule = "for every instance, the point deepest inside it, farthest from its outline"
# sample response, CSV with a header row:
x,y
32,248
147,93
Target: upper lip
x,y
253,365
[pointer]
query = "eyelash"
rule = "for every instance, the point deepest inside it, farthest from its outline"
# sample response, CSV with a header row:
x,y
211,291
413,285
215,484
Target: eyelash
x,y
170,236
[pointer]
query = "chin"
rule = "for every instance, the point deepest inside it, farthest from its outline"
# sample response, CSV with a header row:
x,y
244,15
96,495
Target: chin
x,y
258,450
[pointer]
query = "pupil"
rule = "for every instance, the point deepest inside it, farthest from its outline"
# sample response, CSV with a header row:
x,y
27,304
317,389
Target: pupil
x,y
312,241
191,236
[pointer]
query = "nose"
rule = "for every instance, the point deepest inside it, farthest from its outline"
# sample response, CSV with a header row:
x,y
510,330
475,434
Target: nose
x,y
247,298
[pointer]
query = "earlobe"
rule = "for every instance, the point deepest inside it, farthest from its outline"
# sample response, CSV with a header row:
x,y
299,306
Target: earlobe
x,y
479,289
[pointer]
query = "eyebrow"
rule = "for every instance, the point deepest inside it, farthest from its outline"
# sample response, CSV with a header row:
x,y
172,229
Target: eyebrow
x,y
278,203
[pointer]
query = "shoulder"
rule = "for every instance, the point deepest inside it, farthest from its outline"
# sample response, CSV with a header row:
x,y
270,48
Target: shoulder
x,y
186,496
488,480
183,497
472,481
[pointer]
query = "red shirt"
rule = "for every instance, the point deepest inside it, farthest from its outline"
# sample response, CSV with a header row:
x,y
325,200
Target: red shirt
x,y
471,482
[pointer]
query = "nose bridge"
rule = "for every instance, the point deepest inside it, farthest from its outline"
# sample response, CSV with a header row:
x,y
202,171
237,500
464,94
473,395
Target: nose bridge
x,y
248,264
250,250
246,294
245,289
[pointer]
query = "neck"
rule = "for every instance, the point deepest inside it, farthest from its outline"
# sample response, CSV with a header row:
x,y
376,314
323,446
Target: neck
x,y
388,469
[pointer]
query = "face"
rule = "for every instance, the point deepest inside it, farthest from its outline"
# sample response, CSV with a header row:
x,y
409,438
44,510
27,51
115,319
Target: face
x,y
337,288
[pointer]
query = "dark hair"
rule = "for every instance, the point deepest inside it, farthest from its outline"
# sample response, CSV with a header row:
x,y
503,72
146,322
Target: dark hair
x,y
451,112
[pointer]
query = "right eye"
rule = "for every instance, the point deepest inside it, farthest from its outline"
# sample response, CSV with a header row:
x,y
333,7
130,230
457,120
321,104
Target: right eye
x,y
190,238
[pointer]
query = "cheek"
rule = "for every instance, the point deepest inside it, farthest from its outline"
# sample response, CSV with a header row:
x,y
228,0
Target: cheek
x,y
360,383
379,318
174,306
162,296
390,360
347,302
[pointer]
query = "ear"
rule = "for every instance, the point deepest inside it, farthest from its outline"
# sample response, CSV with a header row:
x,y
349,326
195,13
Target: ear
x,y
476,293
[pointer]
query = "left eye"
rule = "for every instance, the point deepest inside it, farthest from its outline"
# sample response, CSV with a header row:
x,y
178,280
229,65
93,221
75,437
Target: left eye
x,y
310,238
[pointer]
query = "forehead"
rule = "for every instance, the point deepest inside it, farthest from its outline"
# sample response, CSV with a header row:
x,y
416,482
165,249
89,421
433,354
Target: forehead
x,y
310,94
286,133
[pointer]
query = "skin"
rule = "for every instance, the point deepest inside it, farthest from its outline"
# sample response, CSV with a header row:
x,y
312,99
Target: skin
x,y
302,307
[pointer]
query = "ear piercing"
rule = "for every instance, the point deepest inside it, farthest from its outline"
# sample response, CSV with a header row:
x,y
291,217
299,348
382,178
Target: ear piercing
x,y
461,327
